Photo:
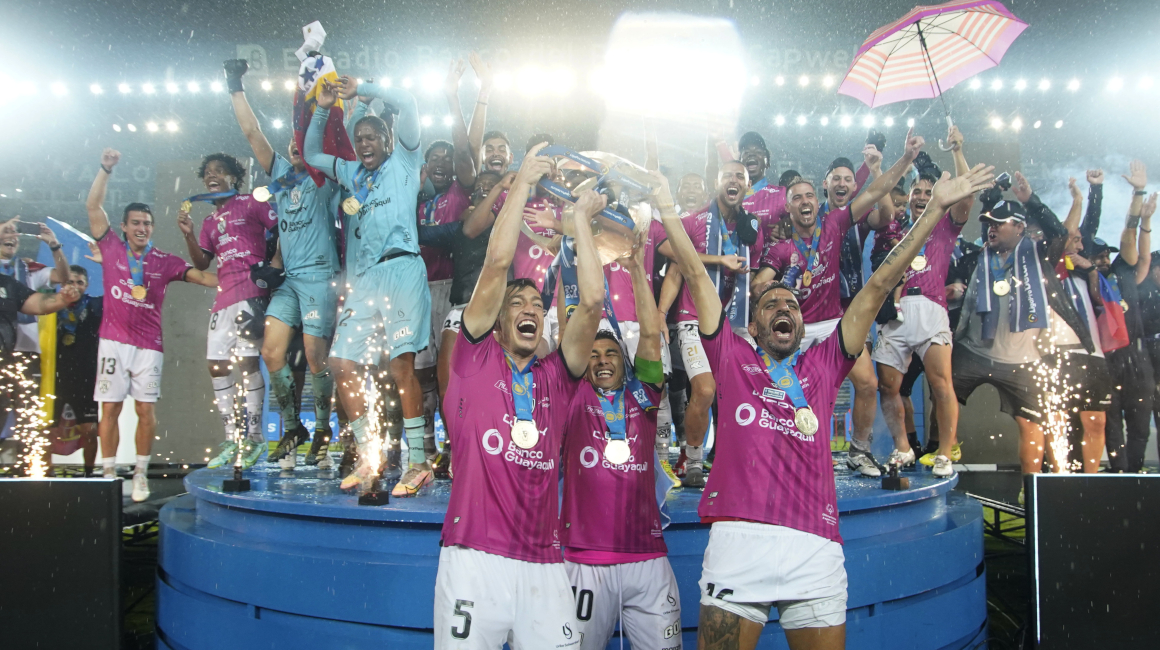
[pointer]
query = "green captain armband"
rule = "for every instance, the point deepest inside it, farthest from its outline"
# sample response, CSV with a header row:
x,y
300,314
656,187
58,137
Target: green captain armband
x,y
650,372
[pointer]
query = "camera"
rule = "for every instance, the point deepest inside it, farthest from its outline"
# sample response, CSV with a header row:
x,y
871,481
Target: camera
x,y
1004,181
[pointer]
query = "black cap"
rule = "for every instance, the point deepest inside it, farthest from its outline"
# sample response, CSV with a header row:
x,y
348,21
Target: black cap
x,y
840,162
1005,211
1099,246
752,139
788,177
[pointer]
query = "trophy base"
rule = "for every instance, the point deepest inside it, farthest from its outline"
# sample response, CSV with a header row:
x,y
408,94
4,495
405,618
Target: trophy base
x,y
895,483
236,485
375,498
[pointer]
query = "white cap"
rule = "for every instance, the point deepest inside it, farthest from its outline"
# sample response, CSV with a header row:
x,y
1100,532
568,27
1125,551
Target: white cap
x,y
313,36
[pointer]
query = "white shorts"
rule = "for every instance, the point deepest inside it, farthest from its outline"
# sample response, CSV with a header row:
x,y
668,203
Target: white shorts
x,y
643,595
692,352
631,332
818,332
232,330
749,567
440,306
924,323
551,333
454,319
125,370
484,600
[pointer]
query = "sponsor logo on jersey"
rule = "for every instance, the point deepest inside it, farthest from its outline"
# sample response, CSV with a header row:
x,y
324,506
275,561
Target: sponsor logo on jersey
x,y
772,393
312,315
406,331
751,368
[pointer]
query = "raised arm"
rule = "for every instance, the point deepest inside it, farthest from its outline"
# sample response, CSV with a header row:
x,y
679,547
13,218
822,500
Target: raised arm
x,y
872,168
487,299
1091,219
652,158
59,273
704,294
882,185
960,211
1073,214
358,110
200,257
576,341
95,204
263,152
312,144
464,162
1054,234
39,304
860,314
479,218
649,347
670,289
479,114
407,124
1144,263
1138,179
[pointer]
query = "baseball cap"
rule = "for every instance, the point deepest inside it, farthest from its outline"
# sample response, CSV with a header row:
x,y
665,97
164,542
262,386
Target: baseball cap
x,y
1099,246
751,139
1005,211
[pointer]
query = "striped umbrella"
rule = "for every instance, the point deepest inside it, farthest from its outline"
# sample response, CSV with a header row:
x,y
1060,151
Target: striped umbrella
x,y
929,50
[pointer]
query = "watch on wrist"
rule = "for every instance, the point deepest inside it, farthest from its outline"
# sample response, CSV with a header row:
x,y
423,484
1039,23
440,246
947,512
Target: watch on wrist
x,y
1140,193
54,248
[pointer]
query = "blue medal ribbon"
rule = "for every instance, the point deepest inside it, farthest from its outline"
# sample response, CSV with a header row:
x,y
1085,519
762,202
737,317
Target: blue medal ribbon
x,y
810,253
757,187
429,211
137,264
614,414
287,182
360,191
211,197
784,377
72,315
523,389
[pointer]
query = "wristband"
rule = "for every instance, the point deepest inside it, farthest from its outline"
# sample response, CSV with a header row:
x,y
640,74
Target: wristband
x,y
1140,193
108,170
1145,230
55,248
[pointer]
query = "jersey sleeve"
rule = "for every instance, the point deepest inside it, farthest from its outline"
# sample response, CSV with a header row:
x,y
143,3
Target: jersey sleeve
x,y
265,213
110,246
470,354
828,360
776,257
722,345
695,228
205,239
175,268
281,167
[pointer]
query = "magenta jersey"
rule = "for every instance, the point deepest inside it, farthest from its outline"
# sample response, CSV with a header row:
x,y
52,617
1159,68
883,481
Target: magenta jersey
x,y
444,208
932,280
822,299
610,507
235,234
620,292
504,499
767,203
767,470
127,320
697,227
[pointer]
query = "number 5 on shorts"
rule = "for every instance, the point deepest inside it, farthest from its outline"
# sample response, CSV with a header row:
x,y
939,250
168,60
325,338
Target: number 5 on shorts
x,y
459,607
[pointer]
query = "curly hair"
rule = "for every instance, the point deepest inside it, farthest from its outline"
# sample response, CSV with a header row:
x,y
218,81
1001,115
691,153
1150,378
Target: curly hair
x,y
232,165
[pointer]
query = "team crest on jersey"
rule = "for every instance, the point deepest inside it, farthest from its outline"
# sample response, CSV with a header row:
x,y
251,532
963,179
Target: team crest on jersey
x,y
751,369
103,385
222,226
296,196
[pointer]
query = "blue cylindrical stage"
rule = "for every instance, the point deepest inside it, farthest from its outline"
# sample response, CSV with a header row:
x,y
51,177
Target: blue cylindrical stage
x,y
296,563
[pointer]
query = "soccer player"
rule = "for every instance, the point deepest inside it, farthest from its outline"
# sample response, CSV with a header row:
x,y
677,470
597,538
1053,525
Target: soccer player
x,y
501,577
78,337
729,239
614,550
235,234
307,299
924,326
136,276
387,310
771,501
810,261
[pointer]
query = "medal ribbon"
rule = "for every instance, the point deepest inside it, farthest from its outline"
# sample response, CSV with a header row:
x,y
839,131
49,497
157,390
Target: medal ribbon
x,y
72,315
997,267
287,182
757,187
523,389
361,191
210,197
785,378
810,257
137,264
614,417
429,211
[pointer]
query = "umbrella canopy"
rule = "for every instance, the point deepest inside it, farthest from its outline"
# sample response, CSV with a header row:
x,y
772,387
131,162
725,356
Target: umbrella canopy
x,y
929,50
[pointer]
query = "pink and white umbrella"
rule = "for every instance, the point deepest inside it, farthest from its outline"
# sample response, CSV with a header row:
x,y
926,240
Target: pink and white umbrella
x,y
929,50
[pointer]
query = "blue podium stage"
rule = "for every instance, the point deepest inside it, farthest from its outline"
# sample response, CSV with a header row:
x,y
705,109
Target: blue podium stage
x,y
295,563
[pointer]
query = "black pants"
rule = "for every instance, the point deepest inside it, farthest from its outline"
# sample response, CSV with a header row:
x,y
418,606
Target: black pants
x,y
1131,407
1152,349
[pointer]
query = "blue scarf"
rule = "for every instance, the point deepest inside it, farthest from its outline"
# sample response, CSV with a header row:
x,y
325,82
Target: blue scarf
x,y
1028,296
70,317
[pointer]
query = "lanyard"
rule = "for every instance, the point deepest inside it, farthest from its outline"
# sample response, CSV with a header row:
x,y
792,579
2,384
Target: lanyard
x,y
728,246
996,265
287,182
137,264
73,315
361,191
429,211
784,377
810,257
614,413
523,389
757,187
212,196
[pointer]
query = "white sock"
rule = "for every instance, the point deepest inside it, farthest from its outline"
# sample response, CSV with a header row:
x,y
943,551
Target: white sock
x,y
664,428
255,396
693,456
142,465
224,394
109,466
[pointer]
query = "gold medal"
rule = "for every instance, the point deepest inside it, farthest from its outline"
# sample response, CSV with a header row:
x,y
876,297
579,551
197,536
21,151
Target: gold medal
x,y
69,339
807,278
186,206
525,434
261,194
351,206
1124,305
617,452
138,292
1001,287
806,421
918,263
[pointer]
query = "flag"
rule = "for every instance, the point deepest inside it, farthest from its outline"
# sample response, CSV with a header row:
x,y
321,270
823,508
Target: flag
x,y
314,68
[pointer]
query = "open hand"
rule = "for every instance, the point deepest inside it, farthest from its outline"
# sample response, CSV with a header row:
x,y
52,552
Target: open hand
x,y
545,219
948,191
95,253
1137,175
454,74
348,88
482,71
1021,187
1149,206
327,95
1074,189
736,264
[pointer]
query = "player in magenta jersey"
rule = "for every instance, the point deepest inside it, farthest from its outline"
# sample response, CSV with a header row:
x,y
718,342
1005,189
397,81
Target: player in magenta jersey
x,y
501,575
730,241
614,550
924,327
692,195
235,234
136,276
810,261
771,498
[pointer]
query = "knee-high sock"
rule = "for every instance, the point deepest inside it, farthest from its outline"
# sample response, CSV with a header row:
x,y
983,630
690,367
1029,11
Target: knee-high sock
x,y
413,428
282,386
322,385
224,394
664,428
430,408
677,399
255,396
